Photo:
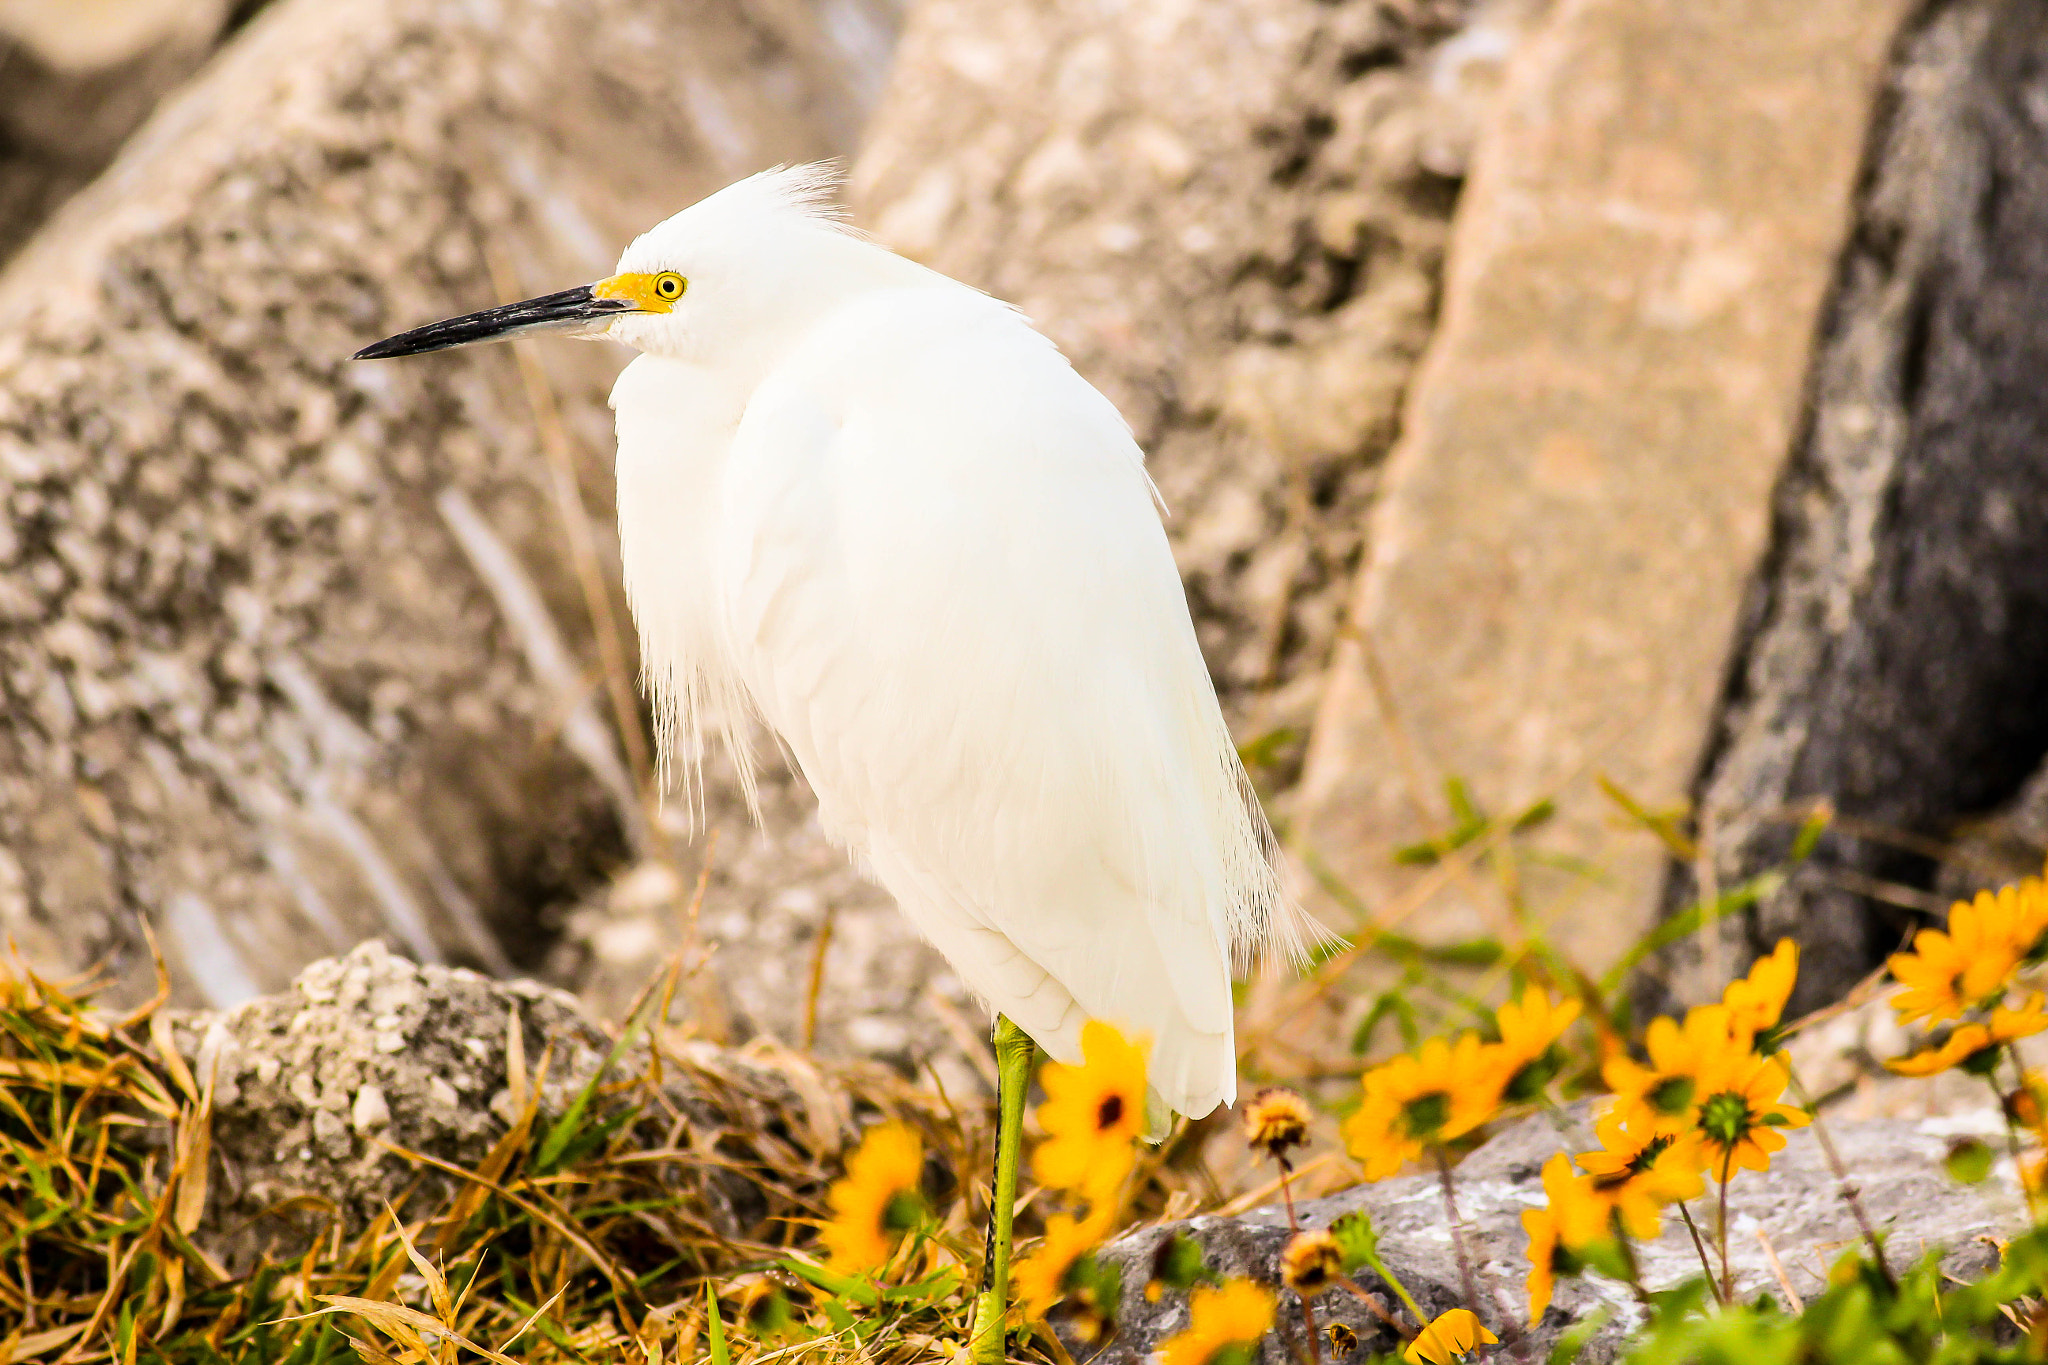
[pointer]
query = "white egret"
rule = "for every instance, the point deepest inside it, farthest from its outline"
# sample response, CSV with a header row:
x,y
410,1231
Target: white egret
x,y
872,507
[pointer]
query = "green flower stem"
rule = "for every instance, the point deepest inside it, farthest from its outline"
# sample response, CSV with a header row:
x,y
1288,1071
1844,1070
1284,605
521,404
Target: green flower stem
x,y
1701,1248
1727,1275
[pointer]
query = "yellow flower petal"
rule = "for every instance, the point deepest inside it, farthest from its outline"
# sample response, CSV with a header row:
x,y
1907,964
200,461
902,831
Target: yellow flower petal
x,y
1756,1001
1453,1334
1238,1312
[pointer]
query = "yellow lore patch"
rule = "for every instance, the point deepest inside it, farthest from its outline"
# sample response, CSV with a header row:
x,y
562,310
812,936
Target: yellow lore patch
x,y
648,293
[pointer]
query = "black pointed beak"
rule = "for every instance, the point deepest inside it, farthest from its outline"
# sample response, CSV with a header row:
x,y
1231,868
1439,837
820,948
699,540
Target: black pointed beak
x,y
569,311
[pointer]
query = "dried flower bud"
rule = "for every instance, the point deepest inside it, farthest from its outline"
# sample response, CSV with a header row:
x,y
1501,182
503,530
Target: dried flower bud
x,y
1311,1263
2023,1106
1276,1120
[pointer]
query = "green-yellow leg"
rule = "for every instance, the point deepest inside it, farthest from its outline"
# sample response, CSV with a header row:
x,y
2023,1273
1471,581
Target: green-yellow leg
x,y
1014,1052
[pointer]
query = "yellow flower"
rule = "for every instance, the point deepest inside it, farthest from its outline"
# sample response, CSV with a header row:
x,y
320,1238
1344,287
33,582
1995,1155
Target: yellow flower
x,y
1041,1277
1275,1120
1639,1170
1755,1002
1527,1032
877,1201
1421,1099
1974,1047
1664,1094
1951,972
2020,914
1237,1314
1454,1334
1311,1262
1574,1217
1092,1113
1739,1113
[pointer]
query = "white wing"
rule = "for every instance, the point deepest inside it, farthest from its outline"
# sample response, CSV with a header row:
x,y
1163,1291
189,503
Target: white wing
x,y
945,583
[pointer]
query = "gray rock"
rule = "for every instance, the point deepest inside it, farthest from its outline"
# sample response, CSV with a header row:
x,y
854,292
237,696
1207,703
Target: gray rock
x,y
2001,849
1896,1165
314,1088
1895,649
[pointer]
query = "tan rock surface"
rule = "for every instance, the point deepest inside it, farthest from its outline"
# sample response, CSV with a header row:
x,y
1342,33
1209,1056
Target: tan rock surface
x,y
75,81
291,648
1583,484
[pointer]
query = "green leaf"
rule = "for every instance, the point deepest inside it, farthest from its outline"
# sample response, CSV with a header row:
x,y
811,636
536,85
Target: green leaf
x,y
1359,1243
1810,830
1180,1264
838,1285
1357,1239
554,1147
1573,1339
1663,824
1262,751
1389,1004
714,1327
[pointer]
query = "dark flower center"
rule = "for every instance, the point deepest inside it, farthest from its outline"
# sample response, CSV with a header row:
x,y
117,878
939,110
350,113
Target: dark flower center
x,y
1984,1061
1110,1113
1530,1078
1424,1114
902,1212
1672,1095
1726,1118
1645,1159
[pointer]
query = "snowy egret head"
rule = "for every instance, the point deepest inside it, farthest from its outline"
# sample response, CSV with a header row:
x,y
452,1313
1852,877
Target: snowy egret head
x,y
725,281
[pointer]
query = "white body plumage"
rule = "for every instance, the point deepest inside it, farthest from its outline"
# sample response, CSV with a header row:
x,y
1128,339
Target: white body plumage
x,y
874,508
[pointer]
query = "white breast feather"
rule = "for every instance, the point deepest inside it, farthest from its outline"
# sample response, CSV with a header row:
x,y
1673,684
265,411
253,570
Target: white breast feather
x,y
942,579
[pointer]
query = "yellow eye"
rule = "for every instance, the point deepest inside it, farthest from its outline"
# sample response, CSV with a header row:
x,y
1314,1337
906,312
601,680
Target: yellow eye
x,y
669,285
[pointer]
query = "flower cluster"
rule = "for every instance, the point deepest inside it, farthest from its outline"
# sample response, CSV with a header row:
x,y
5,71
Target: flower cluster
x,y
1960,980
1420,1101
1705,1101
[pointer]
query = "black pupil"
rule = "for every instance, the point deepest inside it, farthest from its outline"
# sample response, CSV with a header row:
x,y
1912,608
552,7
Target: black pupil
x,y
1112,1110
667,287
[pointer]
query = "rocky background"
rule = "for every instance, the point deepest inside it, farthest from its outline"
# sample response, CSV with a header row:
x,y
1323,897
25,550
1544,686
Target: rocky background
x,y
1624,413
